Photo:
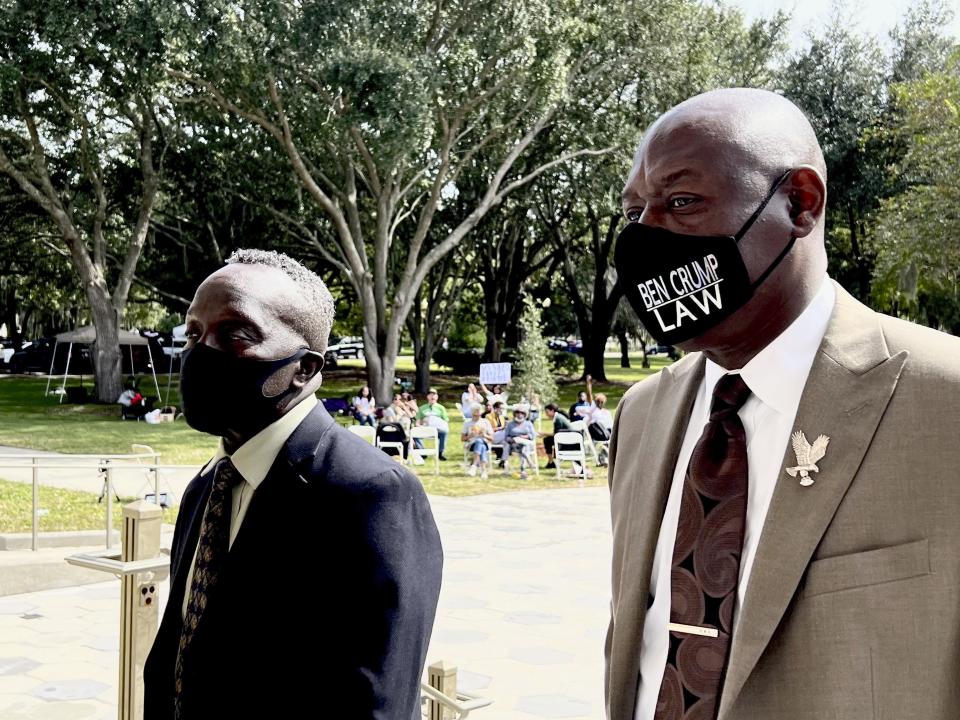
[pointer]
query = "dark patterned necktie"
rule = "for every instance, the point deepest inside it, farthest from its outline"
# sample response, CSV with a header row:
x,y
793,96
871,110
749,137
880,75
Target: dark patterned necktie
x,y
212,549
706,561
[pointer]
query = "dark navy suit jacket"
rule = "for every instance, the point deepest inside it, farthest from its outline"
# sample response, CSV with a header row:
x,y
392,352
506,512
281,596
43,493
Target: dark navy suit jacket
x,y
326,602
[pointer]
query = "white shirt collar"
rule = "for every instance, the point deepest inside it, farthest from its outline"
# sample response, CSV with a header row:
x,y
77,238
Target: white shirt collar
x,y
256,456
777,374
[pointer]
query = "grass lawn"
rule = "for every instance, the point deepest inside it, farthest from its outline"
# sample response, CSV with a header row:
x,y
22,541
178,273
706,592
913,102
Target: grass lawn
x,y
67,509
30,420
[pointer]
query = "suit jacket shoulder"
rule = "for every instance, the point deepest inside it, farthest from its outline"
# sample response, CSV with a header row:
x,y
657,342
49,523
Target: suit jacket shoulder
x,y
934,355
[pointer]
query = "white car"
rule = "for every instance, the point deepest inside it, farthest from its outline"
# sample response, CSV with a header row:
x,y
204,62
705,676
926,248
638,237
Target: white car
x,y
346,347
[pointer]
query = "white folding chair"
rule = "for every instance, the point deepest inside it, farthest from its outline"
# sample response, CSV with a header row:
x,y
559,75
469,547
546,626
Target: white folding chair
x,y
529,454
581,427
569,447
424,433
366,432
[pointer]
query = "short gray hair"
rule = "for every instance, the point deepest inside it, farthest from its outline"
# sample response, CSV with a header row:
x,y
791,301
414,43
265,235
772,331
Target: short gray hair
x,y
317,319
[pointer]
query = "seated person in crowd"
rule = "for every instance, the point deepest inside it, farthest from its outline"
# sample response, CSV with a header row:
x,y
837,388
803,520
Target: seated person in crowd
x,y
520,437
401,411
470,397
477,437
495,416
580,406
561,423
598,417
433,414
365,407
495,395
411,404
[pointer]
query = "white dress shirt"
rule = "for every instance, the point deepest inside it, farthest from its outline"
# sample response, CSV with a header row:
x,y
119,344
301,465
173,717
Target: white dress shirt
x,y
253,461
775,376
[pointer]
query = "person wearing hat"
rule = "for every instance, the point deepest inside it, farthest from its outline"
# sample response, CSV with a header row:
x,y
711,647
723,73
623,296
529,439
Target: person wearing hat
x,y
520,437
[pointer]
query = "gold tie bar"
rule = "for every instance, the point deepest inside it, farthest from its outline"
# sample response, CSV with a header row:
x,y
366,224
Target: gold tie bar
x,y
693,630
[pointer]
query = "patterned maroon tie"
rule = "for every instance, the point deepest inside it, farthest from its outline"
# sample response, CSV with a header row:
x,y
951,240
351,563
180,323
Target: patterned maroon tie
x,y
706,561
212,549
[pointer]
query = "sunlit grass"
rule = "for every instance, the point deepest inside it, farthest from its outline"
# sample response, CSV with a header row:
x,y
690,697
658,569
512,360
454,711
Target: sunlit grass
x,y
28,419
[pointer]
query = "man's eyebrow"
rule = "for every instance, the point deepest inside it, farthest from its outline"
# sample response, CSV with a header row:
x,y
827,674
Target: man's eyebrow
x,y
678,175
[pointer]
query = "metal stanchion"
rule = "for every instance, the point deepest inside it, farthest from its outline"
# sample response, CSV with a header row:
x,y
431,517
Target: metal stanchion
x,y
108,492
443,678
139,568
138,603
35,519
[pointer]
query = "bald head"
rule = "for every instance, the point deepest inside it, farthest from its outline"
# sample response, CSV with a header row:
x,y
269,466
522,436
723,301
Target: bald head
x,y
705,167
756,133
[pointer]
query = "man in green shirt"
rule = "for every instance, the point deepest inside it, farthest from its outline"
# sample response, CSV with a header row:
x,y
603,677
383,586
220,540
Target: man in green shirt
x,y
433,414
560,423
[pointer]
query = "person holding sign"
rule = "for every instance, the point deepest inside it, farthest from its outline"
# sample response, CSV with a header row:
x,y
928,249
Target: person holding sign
x,y
784,497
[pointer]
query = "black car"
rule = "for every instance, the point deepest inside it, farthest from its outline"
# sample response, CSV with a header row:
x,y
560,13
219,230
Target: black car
x,y
37,355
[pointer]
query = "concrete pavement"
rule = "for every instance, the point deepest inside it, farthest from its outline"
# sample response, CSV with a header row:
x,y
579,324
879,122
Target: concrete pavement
x,y
522,612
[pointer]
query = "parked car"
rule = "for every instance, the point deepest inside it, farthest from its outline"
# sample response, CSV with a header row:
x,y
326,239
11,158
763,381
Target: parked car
x,y
7,349
668,350
346,347
36,356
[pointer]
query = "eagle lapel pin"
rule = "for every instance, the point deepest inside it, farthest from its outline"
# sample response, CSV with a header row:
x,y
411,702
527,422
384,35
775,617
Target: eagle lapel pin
x,y
807,456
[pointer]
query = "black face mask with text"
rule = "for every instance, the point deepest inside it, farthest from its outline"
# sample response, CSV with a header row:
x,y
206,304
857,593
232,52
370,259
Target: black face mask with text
x,y
221,392
683,285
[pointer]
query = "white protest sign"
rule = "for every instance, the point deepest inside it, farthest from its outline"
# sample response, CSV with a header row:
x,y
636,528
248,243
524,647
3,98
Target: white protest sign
x,y
495,373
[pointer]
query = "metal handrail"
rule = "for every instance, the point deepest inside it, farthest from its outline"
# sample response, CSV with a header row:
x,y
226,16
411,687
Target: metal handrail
x,y
462,705
109,561
105,463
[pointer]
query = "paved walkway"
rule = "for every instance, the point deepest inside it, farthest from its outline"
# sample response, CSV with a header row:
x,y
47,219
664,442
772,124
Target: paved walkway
x,y
60,471
522,612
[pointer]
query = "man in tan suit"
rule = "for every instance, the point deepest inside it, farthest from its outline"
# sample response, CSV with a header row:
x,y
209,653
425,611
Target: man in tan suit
x,y
844,601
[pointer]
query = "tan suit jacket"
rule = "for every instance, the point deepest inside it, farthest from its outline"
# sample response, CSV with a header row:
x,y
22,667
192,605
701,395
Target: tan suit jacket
x,y
853,606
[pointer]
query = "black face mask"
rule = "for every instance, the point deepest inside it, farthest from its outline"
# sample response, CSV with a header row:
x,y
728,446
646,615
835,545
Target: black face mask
x,y
683,285
221,392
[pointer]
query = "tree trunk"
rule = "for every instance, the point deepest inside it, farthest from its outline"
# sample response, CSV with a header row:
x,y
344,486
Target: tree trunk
x,y
381,374
106,349
593,356
423,365
491,351
646,359
624,349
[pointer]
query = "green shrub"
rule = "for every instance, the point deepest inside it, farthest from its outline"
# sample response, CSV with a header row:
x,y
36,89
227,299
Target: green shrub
x,y
566,363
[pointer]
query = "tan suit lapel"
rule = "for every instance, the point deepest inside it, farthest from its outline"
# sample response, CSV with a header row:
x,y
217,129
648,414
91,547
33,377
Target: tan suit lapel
x,y
650,470
848,389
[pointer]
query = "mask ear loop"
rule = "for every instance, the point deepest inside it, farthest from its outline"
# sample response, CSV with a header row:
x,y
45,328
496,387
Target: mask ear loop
x,y
747,225
276,365
756,213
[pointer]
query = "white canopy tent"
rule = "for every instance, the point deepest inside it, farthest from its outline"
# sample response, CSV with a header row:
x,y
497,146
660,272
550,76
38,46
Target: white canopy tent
x,y
179,340
87,335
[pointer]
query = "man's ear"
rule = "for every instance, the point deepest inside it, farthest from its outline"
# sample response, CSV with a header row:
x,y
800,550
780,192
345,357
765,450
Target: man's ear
x,y
807,193
308,370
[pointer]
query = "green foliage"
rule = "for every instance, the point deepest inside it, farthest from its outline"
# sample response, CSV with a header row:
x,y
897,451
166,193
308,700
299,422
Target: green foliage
x,y
566,363
918,232
534,373
459,361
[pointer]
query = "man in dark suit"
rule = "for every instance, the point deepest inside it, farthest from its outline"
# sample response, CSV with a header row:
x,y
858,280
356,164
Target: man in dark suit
x,y
305,566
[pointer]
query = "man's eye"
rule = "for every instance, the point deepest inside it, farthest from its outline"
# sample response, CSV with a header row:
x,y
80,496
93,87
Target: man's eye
x,y
680,202
633,214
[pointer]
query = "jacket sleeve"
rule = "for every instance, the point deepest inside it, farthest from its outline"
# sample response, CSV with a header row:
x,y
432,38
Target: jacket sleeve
x,y
397,588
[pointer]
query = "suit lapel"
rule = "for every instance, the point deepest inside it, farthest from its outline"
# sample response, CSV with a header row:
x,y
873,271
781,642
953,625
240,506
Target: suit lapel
x,y
284,483
183,552
848,389
651,465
